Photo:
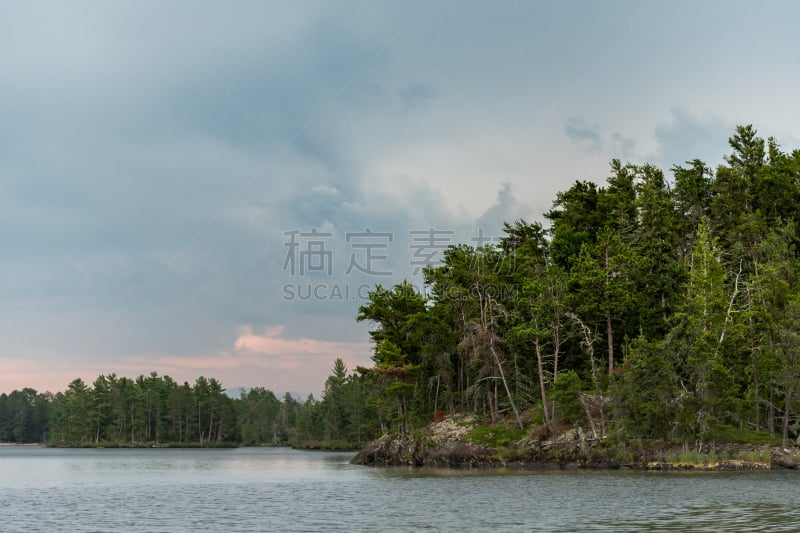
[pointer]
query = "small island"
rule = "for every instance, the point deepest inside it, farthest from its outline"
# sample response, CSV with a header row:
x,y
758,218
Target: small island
x,y
654,324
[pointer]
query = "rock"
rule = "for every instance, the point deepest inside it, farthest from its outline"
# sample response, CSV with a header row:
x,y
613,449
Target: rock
x,y
440,444
785,459
444,444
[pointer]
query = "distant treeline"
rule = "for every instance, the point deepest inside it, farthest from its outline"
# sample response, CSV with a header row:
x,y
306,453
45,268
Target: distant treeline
x,y
156,410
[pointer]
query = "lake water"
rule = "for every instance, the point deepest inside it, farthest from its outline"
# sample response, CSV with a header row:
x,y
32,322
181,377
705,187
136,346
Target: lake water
x,y
263,489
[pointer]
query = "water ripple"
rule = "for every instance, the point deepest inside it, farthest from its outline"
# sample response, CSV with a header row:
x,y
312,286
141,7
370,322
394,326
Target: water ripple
x,y
284,490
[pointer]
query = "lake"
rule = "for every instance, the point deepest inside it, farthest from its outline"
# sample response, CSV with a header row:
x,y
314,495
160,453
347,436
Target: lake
x,y
278,489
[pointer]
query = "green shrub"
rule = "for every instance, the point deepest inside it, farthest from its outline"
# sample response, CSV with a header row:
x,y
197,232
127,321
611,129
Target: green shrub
x,y
763,457
732,435
495,436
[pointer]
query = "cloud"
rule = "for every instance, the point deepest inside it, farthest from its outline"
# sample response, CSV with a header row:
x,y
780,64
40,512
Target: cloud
x,y
306,362
505,209
586,136
272,342
683,137
417,96
687,136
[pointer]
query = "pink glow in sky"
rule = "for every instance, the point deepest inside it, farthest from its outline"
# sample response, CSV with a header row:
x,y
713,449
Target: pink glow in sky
x,y
267,359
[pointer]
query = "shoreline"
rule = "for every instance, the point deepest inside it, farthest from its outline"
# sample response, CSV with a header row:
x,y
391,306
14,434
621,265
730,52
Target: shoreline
x,y
461,443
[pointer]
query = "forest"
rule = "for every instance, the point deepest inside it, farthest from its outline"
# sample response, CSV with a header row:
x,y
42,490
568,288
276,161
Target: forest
x,y
156,410
648,308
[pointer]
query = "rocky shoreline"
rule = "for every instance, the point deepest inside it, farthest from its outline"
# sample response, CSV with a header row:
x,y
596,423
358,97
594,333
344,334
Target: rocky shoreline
x,y
450,443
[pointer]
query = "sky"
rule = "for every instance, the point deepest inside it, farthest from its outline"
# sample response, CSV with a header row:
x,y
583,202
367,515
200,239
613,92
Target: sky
x,y
199,188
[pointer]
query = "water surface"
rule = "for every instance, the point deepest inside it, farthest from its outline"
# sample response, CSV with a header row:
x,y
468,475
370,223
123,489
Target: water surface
x,y
277,489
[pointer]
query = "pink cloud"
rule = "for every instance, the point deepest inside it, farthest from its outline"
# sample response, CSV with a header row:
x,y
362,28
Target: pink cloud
x,y
271,342
301,364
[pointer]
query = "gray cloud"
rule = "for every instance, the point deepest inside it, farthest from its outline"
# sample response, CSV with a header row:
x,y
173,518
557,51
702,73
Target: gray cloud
x,y
687,136
506,208
586,136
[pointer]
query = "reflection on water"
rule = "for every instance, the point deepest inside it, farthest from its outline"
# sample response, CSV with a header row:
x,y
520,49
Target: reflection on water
x,y
262,489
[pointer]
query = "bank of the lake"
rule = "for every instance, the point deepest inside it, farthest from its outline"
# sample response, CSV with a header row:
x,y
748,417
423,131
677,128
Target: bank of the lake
x,y
463,442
